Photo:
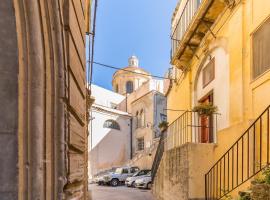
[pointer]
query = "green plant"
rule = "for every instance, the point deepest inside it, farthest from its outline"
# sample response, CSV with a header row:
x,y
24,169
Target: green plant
x,y
163,125
245,195
205,109
266,173
264,177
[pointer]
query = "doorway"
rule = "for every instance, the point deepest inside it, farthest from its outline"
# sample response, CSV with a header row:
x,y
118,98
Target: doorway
x,y
206,122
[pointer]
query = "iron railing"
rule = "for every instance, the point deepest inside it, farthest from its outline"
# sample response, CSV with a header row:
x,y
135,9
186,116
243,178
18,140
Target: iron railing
x,y
184,20
248,156
158,156
192,127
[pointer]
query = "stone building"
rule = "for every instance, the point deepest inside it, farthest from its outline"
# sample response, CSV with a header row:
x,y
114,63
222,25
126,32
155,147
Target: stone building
x,y
146,103
43,134
219,53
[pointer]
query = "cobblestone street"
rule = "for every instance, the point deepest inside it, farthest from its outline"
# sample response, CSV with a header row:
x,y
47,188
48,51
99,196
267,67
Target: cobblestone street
x,y
118,193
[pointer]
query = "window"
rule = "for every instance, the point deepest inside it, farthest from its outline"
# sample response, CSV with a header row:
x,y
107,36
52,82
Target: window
x,y
111,124
209,72
261,48
140,119
137,120
134,169
140,144
142,123
125,171
116,88
129,87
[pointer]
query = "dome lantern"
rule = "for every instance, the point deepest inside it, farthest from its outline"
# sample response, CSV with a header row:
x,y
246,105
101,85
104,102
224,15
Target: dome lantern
x,y
133,61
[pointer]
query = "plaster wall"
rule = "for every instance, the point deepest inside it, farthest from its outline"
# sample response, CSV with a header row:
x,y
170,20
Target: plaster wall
x,y
110,147
241,98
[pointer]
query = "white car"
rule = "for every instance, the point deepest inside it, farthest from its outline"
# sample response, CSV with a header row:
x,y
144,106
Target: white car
x,y
130,181
145,182
120,175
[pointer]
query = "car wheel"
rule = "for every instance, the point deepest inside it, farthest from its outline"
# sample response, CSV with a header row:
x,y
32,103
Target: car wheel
x,y
114,182
149,186
133,184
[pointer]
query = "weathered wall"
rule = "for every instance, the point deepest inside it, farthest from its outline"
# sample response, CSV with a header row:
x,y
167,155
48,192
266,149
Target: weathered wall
x,y
180,175
42,79
9,102
246,97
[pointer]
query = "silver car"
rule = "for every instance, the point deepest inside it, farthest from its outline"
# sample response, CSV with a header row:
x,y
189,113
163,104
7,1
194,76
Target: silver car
x,y
130,181
144,182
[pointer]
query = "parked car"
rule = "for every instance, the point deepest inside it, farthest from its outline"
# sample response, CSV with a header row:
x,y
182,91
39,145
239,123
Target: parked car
x,y
120,175
130,181
99,178
144,182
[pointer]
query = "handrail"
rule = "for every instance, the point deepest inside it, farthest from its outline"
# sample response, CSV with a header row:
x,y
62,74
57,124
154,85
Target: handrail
x,y
158,156
189,128
248,156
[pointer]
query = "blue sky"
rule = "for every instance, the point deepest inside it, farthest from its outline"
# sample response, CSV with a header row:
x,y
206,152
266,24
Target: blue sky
x,y
127,27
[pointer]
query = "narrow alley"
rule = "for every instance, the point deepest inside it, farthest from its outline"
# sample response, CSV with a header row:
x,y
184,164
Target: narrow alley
x,y
118,193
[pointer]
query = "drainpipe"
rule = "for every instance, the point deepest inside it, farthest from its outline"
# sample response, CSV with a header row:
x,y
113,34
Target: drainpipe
x,y
131,139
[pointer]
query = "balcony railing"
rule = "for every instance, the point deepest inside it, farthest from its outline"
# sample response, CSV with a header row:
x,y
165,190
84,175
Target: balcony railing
x,y
183,22
248,156
192,127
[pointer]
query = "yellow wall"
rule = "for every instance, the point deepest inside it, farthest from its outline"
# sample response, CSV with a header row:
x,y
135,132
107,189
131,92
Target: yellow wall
x,y
247,97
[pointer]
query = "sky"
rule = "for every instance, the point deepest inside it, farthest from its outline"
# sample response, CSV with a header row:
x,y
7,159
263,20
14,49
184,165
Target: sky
x,y
132,27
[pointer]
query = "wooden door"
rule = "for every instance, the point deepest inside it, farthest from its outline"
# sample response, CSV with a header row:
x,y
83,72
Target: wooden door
x,y
206,122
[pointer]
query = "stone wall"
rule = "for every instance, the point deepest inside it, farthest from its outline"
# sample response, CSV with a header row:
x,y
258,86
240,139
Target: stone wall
x,y
42,81
9,103
181,174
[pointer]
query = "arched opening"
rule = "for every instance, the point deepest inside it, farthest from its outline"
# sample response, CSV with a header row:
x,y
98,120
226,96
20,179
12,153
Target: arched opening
x,y
211,86
112,124
129,87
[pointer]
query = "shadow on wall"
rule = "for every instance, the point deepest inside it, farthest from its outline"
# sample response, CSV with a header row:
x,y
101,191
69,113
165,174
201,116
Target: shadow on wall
x,y
112,151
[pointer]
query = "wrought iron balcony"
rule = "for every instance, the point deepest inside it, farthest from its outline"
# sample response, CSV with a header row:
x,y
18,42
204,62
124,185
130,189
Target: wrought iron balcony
x,y
192,127
192,21
183,23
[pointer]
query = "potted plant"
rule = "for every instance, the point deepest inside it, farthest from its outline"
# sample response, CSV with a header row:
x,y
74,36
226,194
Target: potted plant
x,y
205,109
261,185
163,126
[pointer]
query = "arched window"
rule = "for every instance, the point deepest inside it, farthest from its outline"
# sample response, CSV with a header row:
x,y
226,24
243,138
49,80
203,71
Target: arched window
x,y
129,87
137,120
142,118
111,124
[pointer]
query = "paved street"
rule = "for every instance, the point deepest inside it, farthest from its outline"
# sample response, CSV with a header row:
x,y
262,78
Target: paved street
x,y
119,193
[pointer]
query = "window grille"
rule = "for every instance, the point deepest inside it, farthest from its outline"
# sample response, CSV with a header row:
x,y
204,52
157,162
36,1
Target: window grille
x,y
140,144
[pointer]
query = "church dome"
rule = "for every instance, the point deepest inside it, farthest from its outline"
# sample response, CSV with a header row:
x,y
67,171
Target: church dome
x,y
129,78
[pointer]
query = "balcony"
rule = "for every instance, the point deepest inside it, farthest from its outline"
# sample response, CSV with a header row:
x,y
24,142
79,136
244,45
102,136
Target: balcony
x,y
191,127
192,20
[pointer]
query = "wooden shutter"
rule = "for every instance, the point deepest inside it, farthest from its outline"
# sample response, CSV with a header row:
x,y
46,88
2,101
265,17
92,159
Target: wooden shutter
x,y
261,48
209,72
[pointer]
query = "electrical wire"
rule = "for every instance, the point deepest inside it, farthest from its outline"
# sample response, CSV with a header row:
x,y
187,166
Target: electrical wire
x,y
121,69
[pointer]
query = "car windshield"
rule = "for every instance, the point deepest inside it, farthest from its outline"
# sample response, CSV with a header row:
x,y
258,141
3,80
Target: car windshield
x,y
136,173
118,171
149,173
